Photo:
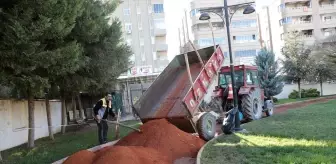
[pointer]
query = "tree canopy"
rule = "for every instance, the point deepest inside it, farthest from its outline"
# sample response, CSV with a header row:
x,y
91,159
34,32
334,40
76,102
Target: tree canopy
x,y
297,63
72,45
268,73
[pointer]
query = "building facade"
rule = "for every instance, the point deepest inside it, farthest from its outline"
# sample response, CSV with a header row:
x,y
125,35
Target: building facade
x,y
145,31
144,28
314,19
244,30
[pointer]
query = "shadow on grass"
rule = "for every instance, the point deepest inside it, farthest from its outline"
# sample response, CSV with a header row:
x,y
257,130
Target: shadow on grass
x,y
252,149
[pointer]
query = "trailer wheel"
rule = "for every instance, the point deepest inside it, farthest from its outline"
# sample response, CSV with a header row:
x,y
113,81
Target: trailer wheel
x,y
206,126
252,106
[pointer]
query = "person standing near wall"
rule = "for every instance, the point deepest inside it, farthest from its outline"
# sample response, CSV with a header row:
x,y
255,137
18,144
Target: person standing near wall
x,y
101,110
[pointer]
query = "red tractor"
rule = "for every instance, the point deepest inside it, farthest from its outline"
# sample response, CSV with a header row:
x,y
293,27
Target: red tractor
x,y
251,100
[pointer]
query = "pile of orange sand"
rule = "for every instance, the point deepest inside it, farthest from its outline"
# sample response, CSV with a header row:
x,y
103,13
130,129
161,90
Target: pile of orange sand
x,y
159,143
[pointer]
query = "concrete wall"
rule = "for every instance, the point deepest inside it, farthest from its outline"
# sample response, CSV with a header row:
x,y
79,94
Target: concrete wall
x,y
328,89
14,120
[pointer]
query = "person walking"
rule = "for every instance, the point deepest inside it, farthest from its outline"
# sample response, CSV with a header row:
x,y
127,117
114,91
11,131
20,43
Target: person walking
x,y
101,110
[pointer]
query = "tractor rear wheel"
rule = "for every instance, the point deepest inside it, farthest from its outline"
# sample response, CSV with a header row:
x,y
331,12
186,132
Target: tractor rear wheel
x,y
252,105
206,126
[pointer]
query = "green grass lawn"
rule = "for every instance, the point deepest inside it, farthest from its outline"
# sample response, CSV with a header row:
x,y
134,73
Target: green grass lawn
x,y
47,151
306,135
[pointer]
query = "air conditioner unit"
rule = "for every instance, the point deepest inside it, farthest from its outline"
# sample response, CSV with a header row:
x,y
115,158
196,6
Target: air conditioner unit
x,y
129,31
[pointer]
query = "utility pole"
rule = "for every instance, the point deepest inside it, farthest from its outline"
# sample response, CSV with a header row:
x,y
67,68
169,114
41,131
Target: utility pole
x,y
269,28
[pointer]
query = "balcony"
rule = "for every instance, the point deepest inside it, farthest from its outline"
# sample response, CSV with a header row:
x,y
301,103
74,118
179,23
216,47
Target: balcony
x,y
297,11
160,32
330,23
299,25
327,8
161,47
308,39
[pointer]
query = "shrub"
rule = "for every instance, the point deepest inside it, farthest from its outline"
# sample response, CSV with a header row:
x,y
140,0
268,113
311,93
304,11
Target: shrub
x,y
275,100
305,93
312,93
293,95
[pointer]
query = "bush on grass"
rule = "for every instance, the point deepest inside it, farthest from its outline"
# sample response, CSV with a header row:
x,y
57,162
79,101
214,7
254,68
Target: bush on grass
x,y
305,93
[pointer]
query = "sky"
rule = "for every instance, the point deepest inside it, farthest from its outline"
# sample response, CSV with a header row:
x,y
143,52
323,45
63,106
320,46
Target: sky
x,y
175,13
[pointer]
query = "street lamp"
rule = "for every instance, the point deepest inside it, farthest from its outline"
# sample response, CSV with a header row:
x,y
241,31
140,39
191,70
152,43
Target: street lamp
x,y
205,16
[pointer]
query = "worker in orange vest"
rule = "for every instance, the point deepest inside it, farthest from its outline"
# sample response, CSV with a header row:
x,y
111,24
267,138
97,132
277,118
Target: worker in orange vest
x,y
101,110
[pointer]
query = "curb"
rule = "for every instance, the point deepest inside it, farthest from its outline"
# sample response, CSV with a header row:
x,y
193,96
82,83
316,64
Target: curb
x,y
199,154
91,149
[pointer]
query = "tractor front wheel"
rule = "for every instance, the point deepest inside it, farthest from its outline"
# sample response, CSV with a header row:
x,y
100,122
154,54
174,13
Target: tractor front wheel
x,y
252,105
206,126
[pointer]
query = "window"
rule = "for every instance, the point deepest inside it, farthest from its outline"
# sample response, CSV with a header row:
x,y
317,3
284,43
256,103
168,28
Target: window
x,y
244,23
203,42
245,53
127,11
194,12
281,7
159,23
158,8
327,18
244,39
225,54
128,27
252,78
225,78
287,20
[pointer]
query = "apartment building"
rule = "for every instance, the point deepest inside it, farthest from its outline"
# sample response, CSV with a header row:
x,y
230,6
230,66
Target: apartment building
x,y
145,31
244,30
314,19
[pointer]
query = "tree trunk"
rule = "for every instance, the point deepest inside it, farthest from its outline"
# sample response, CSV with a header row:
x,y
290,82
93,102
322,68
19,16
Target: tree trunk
x,y
321,85
80,106
299,86
31,132
73,106
64,116
51,134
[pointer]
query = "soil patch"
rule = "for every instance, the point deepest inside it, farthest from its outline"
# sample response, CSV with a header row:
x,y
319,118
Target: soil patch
x,y
130,155
286,107
82,157
160,142
165,138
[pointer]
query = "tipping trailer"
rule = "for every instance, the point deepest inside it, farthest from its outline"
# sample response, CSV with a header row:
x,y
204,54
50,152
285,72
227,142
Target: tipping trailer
x,y
172,96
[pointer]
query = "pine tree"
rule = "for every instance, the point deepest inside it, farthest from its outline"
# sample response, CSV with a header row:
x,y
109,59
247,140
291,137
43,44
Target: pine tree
x,y
34,47
268,73
104,55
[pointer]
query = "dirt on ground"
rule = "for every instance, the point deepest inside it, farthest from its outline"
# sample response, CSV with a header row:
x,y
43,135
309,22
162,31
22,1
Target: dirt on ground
x,y
286,107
